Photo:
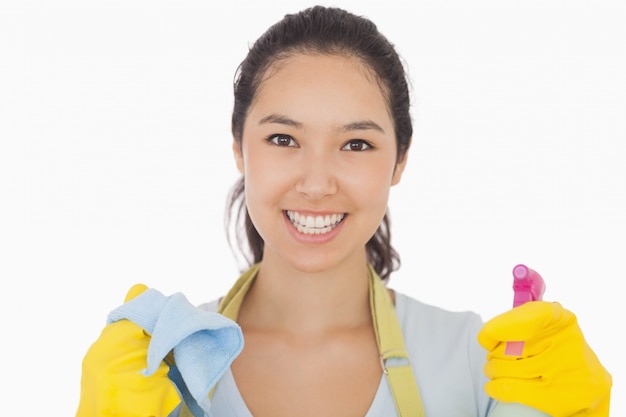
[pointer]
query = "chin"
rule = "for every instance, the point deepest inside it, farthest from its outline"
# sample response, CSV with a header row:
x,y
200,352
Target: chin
x,y
314,263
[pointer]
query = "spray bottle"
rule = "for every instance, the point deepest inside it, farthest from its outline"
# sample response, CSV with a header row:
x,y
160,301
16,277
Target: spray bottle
x,y
528,285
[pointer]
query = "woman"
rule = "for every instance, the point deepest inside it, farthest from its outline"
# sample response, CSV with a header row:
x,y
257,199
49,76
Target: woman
x,y
321,126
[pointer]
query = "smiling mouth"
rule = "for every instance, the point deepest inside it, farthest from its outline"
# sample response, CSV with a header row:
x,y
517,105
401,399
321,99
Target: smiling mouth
x,y
314,225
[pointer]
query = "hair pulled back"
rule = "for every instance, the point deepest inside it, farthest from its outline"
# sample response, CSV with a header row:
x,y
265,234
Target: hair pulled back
x,y
324,30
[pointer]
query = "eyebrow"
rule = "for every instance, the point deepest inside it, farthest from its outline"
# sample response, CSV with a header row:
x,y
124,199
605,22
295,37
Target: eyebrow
x,y
362,125
350,127
280,119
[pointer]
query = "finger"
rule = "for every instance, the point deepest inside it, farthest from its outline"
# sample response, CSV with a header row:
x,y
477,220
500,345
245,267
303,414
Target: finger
x,y
510,367
508,390
121,336
531,392
134,291
140,395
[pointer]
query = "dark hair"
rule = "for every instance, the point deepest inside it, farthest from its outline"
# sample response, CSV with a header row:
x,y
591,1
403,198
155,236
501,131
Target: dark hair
x,y
329,31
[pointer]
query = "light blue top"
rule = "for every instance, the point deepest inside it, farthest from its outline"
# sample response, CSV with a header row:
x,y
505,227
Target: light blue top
x,y
446,358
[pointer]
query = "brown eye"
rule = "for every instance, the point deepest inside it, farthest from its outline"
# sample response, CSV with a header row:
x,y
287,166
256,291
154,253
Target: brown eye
x,y
356,145
282,140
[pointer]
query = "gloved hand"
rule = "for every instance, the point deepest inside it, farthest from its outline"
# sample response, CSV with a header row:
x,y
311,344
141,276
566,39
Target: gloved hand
x,y
558,373
112,382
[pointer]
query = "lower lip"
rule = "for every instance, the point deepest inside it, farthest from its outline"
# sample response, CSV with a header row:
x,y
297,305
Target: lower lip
x,y
313,239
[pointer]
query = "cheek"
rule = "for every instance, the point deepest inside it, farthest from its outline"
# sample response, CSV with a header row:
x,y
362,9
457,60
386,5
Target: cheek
x,y
372,181
265,179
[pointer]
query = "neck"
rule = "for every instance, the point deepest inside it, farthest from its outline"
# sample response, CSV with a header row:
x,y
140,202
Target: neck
x,y
285,299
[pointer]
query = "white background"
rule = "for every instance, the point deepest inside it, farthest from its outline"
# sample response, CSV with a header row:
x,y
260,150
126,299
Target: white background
x,y
115,164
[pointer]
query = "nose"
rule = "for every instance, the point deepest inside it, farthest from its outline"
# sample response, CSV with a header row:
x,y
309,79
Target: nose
x,y
317,178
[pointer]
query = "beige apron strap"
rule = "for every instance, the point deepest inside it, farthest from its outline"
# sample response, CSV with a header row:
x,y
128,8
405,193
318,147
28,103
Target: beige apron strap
x,y
230,305
394,358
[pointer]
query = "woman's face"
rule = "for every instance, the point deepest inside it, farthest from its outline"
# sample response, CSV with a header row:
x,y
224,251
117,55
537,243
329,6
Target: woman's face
x,y
319,156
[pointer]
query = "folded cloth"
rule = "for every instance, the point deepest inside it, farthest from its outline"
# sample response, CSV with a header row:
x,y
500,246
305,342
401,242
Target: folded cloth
x,y
204,344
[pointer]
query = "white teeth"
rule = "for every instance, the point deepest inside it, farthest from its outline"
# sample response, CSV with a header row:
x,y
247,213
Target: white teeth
x,y
314,225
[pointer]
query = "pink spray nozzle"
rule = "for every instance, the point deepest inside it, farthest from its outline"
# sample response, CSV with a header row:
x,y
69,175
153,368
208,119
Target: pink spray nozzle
x,y
527,285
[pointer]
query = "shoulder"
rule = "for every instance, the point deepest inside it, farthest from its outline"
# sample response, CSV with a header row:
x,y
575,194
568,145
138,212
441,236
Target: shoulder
x,y
412,312
210,306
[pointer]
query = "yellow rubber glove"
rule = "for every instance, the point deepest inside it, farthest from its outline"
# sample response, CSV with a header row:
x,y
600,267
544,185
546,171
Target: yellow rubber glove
x,y
558,373
112,382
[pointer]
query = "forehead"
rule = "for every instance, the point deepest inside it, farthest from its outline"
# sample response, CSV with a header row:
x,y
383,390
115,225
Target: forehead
x,y
358,66
339,82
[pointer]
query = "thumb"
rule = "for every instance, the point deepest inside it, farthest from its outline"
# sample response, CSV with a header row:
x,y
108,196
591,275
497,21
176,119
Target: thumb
x,y
134,291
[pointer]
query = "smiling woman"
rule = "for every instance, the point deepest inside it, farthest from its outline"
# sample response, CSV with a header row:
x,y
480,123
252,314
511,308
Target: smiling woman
x,y
321,130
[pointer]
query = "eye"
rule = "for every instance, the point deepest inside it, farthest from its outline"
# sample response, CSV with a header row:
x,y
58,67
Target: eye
x,y
356,145
282,140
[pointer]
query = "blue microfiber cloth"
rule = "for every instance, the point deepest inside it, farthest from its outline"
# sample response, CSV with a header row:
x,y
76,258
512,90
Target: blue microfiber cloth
x,y
204,343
